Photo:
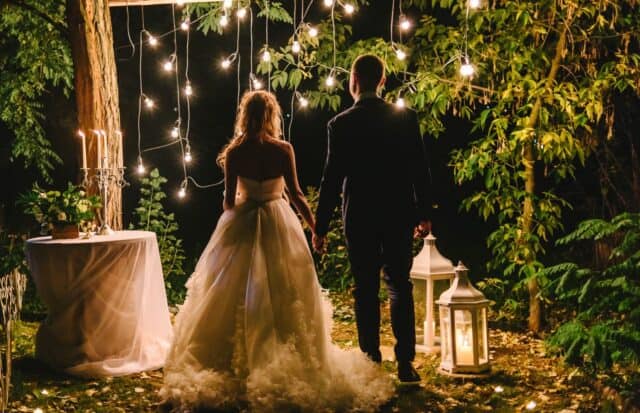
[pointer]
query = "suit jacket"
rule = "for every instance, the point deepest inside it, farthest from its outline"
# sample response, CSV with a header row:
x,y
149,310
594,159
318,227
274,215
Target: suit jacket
x,y
376,159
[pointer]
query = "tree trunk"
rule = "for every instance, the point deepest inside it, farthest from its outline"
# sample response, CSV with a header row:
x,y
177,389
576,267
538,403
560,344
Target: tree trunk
x,y
96,87
535,306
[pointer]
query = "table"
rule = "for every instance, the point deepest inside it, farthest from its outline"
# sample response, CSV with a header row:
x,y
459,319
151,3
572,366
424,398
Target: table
x,y
108,313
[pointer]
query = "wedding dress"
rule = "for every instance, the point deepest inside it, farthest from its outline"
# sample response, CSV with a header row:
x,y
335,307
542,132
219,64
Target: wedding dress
x,y
255,327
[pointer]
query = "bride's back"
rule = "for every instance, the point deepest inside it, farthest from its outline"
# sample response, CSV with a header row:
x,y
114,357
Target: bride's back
x,y
259,160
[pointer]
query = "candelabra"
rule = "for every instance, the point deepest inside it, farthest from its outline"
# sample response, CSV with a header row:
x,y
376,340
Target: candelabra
x,y
104,177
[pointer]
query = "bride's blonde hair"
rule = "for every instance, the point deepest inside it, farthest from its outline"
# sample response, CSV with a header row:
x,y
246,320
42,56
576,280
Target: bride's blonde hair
x,y
259,117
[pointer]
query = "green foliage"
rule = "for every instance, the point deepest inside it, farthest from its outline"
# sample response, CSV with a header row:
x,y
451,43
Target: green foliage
x,y
150,215
334,269
12,253
34,57
606,327
52,207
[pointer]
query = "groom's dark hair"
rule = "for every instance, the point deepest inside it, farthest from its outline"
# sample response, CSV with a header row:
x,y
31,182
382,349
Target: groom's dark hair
x,y
369,69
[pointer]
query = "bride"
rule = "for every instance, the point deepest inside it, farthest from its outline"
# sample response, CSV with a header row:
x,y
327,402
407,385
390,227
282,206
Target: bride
x,y
254,331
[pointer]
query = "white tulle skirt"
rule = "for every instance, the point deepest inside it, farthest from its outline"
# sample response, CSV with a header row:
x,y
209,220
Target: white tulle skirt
x,y
254,330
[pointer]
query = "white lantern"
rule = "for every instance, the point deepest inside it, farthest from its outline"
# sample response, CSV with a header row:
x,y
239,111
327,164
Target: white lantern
x,y
431,274
463,323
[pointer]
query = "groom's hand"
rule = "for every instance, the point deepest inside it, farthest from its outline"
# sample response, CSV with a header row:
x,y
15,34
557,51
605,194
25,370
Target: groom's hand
x,y
422,229
318,242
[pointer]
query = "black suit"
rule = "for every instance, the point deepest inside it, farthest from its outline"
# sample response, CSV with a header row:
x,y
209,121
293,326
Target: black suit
x,y
376,159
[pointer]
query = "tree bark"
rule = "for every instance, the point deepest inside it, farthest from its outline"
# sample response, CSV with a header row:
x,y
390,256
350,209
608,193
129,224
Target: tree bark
x,y
535,305
96,87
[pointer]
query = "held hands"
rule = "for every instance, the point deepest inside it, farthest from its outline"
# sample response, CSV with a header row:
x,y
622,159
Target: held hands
x,y
319,243
422,229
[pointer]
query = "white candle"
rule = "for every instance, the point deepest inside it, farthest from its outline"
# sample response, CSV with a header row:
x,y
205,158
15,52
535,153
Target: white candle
x,y
120,148
84,149
106,148
99,146
464,351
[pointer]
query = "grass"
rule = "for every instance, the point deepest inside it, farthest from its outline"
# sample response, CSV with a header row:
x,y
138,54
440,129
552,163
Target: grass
x,y
520,366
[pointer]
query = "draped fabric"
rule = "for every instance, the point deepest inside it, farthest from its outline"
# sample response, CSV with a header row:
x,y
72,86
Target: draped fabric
x,y
255,327
106,302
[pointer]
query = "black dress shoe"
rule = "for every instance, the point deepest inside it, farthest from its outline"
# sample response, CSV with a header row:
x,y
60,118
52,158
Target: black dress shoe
x,y
407,374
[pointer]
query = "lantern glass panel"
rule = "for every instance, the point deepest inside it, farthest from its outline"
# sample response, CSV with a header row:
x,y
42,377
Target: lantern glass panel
x,y
420,305
445,344
439,286
483,350
464,337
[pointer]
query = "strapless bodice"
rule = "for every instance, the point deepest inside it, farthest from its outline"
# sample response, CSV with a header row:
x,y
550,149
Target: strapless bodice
x,y
260,191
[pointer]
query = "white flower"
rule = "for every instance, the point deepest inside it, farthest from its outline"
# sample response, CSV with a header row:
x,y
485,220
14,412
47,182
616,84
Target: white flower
x,y
43,195
62,216
83,206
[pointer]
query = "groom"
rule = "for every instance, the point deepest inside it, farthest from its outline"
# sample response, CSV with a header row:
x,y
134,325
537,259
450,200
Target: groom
x,y
376,159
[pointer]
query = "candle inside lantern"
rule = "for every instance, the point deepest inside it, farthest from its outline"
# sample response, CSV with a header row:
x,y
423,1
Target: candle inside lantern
x,y
84,149
464,348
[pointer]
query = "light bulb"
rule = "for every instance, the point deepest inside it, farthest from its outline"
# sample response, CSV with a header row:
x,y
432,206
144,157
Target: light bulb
x,y
405,24
257,84
167,66
467,70
349,9
182,193
226,63
266,56
188,90
304,102
330,81
313,32
149,103
187,157
224,20
400,103
474,4
400,54
295,47
328,3
531,405
227,4
241,13
141,169
498,389
185,25
175,132
152,40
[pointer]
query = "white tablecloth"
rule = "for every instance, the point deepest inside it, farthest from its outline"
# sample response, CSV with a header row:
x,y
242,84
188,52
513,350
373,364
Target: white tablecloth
x,y
108,313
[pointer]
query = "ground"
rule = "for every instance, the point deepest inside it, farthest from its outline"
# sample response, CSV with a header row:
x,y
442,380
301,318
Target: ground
x,y
530,380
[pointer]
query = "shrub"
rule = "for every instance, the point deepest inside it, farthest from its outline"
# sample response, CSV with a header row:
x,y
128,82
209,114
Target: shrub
x,y
606,327
150,215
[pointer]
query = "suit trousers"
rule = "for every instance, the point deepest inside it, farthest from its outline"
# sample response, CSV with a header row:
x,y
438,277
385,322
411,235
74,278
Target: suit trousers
x,y
387,249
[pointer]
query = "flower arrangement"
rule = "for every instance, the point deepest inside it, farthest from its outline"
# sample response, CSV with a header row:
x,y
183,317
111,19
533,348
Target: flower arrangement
x,y
60,211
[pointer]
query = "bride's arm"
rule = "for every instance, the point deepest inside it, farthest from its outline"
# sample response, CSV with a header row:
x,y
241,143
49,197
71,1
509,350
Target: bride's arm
x,y
295,193
230,183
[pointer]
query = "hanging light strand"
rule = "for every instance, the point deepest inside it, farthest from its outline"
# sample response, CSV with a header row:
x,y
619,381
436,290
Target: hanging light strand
x,y
180,140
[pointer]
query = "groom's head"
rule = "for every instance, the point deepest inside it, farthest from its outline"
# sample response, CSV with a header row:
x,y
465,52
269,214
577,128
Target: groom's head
x,y
367,75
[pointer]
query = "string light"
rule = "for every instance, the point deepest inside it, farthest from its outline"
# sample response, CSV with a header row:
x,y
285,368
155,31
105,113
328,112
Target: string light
x,y
241,13
227,4
295,47
400,103
141,169
187,156
401,54
467,69
257,83
224,20
266,56
349,9
152,39
188,90
302,101
475,4
328,3
330,81
168,65
175,131
531,405
149,103
313,32
405,23
498,389
182,192
226,63
185,24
